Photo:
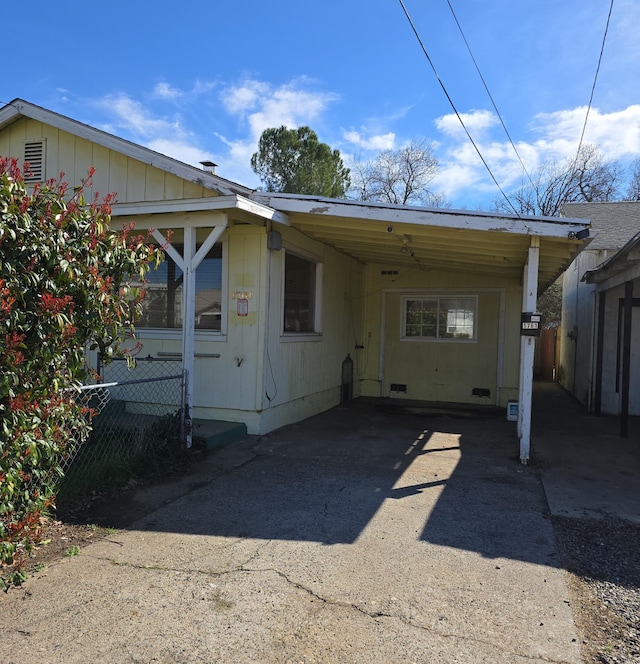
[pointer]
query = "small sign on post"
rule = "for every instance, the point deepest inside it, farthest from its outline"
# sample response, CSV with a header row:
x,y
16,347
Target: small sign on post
x,y
530,324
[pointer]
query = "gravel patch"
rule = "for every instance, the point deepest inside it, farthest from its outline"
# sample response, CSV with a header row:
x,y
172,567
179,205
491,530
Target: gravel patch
x,y
602,557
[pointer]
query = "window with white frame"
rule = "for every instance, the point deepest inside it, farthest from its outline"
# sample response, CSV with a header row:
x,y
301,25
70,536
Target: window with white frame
x,y
162,305
440,318
302,289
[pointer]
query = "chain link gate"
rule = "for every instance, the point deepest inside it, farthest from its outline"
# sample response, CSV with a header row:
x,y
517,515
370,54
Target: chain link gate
x,y
139,425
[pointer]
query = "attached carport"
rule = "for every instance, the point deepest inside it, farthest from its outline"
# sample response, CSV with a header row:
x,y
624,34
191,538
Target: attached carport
x,y
533,250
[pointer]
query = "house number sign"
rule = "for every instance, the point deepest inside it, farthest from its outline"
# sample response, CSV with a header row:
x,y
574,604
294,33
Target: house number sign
x,y
530,324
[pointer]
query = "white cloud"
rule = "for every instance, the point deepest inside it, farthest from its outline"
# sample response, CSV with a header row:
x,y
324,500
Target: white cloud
x,y
617,133
258,106
133,117
262,105
476,121
375,142
180,150
253,105
165,91
240,99
552,136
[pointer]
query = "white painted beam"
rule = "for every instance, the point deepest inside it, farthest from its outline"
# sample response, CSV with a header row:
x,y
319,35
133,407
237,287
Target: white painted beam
x,y
188,263
206,246
211,203
527,350
169,248
188,321
443,218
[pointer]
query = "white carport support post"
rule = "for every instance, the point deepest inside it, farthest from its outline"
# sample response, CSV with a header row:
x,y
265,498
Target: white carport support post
x,y
188,263
527,350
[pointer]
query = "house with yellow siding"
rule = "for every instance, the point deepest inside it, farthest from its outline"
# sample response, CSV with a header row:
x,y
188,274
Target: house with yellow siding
x,y
282,306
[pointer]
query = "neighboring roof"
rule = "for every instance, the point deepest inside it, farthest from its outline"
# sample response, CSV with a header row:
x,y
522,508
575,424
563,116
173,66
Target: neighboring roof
x,y
19,108
434,238
613,224
623,266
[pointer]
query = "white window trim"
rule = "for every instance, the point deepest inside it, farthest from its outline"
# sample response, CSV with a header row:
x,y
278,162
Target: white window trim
x,y
200,335
437,296
316,335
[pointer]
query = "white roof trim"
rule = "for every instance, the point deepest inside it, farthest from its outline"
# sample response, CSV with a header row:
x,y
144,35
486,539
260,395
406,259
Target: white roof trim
x,y
214,203
437,217
19,108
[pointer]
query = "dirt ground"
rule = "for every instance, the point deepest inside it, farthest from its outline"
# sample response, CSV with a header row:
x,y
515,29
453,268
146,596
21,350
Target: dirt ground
x,y
607,636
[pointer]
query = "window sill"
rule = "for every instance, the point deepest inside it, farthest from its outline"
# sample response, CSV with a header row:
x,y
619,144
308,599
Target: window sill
x,y
429,340
159,333
288,337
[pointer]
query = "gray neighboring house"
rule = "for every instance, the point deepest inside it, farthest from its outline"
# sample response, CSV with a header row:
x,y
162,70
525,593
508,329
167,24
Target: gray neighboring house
x,y
617,348
590,364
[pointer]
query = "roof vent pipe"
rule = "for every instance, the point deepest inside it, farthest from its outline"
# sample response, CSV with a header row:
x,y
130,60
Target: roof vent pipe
x,y
209,166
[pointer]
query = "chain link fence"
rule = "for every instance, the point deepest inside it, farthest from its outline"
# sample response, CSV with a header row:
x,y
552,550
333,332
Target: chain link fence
x,y
137,423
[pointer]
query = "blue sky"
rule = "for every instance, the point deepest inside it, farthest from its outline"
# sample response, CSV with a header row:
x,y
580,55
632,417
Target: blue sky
x,y
202,81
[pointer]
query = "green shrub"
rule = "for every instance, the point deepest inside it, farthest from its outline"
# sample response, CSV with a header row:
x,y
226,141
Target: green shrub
x,y
66,281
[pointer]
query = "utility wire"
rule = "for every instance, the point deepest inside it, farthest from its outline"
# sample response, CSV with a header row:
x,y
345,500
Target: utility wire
x,y
595,79
486,87
426,54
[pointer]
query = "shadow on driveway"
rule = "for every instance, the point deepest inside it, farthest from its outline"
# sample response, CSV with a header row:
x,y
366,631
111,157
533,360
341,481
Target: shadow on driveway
x,y
450,477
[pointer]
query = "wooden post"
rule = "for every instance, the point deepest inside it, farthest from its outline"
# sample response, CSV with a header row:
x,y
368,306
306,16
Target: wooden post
x,y
626,358
597,397
527,351
188,263
188,323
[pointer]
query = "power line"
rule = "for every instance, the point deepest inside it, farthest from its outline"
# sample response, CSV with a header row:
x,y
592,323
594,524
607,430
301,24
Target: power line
x,y
486,87
426,54
595,79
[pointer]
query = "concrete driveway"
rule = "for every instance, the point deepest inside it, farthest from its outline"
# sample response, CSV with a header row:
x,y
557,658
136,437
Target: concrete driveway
x,y
587,469
356,536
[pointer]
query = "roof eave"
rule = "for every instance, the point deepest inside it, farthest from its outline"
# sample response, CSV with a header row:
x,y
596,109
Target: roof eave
x,y
437,217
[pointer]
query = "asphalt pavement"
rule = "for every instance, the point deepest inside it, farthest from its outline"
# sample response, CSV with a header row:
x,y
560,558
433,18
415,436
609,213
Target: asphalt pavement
x,y
370,533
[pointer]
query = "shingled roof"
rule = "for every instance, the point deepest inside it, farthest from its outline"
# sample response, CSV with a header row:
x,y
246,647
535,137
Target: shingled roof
x,y
612,224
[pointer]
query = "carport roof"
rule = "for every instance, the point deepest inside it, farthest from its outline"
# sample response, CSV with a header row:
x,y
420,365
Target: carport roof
x,y
434,238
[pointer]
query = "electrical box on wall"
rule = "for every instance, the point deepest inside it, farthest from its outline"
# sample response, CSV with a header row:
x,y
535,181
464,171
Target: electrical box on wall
x,y
274,240
530,324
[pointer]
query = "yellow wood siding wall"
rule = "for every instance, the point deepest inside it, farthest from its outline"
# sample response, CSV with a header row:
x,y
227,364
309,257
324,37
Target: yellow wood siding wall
x,y
131,180
308,367
440,371
230,383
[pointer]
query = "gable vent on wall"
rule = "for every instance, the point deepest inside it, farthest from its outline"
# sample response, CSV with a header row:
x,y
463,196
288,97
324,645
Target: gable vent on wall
x,y
34,157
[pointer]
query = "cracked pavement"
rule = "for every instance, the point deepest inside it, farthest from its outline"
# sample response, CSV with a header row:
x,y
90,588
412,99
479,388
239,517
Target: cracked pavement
x,y
356,536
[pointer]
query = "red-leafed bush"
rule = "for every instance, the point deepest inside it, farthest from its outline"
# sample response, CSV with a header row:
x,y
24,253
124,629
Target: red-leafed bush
x,y
67,281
